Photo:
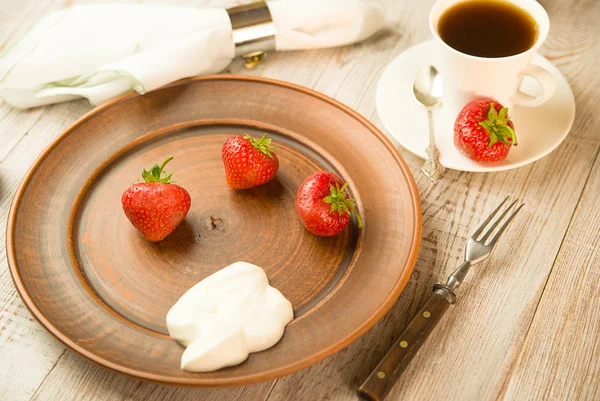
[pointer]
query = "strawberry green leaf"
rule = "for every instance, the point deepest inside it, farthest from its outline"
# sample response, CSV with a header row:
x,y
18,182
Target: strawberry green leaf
x,y
332,191
263,144
492,114
503,113
507,132
156,173
341,203
485,125
498,128
510,132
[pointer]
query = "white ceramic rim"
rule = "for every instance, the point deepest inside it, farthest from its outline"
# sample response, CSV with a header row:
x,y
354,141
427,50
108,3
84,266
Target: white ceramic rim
x,y
532,7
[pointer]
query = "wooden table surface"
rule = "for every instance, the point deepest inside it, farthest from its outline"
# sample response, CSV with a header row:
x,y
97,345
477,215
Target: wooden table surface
x,y
526,325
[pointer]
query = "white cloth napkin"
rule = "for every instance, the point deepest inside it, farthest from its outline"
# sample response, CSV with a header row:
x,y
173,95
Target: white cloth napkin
x,y
102,51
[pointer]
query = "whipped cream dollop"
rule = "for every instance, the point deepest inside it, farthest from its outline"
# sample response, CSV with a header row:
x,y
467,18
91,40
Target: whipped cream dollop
x,y
226,316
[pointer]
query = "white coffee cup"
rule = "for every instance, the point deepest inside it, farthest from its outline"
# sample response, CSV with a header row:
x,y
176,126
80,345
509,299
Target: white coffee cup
x,y
467,77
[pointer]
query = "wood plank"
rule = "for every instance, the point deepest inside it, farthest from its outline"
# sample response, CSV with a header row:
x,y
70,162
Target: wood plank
x,y
27,351
560,359
496,305
14,125
23,342
472,351
75,378
18,16
475,346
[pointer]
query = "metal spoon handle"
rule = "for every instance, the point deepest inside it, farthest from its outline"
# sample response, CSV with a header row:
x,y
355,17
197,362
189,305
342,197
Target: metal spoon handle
x,y
431,127
432,167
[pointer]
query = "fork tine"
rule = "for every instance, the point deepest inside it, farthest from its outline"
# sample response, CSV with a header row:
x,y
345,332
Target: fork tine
x,y
498,220
501,230
485,223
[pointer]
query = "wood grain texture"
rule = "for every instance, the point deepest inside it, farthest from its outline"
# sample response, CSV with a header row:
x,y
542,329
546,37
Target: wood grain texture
x,y
92,383
479,351
28,352
474,348
560,359
18,17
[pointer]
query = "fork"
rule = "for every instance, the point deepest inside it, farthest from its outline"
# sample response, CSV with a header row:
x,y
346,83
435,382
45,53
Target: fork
x,y
478,249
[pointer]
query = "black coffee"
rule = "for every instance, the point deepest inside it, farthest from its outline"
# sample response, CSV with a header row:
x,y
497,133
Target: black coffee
x,y
488,28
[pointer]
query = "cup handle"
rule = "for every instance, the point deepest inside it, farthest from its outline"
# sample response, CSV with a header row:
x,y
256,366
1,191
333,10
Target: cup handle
x,y
545,79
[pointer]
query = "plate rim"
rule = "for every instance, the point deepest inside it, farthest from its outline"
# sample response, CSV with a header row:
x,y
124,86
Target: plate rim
x,y
219,382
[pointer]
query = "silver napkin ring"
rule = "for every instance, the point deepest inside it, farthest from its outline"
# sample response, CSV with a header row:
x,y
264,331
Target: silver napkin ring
x,y
253,31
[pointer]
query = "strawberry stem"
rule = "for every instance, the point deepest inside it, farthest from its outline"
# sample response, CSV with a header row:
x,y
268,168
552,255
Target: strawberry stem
x,y
497,127
263,144
156,173
339,202
162,166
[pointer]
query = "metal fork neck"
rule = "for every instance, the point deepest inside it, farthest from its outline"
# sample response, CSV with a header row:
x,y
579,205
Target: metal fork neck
x,y
457,278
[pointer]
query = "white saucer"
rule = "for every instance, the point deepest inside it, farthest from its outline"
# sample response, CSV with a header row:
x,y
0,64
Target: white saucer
x,y
540,129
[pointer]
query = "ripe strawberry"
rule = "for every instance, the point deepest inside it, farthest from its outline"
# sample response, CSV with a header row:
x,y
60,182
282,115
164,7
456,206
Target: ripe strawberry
x,y
483,131
157,206
248,162
323,205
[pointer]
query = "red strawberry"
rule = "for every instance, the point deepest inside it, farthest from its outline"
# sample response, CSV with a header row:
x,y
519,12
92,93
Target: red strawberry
x,y
248,162
483,131
157,206
323,205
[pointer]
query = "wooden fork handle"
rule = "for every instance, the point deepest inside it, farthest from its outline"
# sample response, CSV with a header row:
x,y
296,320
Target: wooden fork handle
x,y
382,379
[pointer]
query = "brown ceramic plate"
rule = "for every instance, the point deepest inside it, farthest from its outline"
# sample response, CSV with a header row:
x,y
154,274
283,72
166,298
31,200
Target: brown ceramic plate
x,y
99,287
